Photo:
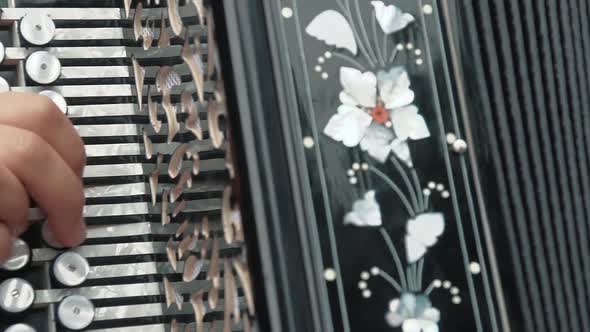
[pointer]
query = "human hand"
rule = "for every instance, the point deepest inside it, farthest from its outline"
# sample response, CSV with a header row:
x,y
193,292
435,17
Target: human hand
x,y
41,156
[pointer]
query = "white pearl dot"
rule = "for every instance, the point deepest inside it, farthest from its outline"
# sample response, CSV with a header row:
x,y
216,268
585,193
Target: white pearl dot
x,y
365,275
375,270
321,59
431,185
318,68
362,285
456,299
366,293
350,172
445,194
324,75
426,192
418,51
356,166
440,187
328,54
427,9
400,47
475,268
308,142
353,180
287,12
446,284
330,274
388,124
419,62
365,166
454,290
451,138
437,283
409,46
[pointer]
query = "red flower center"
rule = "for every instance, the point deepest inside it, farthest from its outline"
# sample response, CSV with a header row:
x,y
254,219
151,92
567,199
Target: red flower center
x,y
380,114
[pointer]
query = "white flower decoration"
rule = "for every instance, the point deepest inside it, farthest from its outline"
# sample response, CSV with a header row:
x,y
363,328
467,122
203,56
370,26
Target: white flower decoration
x,y
365,212
391,18
414,313
370,105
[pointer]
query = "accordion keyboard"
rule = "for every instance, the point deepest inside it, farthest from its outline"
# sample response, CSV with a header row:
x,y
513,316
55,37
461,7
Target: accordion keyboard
x,y
141,82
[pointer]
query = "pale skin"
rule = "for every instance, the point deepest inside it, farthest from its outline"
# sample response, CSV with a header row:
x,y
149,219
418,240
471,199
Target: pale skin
x,y
41,158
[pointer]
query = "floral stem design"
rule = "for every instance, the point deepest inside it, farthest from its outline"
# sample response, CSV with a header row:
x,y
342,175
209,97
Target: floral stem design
x,y
384,45
396,189
410,276
420,272
363,30
378,49
413,194
418,190
429,289
390,280
396,259
346,10
349,59
393,55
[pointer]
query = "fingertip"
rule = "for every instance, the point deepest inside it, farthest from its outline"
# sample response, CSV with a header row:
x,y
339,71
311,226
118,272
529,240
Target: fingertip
x,y
5,242
68,235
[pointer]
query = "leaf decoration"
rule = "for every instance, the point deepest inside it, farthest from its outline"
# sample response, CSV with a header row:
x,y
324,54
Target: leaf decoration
x,y
332,28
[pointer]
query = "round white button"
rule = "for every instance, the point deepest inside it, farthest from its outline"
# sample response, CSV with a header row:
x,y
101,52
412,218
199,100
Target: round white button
x,y
43,67
75,312
37,28
21,255
70,269
16,295
20,327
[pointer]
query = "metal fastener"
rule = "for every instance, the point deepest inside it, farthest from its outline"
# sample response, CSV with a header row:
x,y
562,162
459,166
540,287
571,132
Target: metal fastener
x,y
75,312
21,255
43,67
70,269
37,28
16,295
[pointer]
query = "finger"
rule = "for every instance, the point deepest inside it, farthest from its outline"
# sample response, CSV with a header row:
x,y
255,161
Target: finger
x,y
40,115
14,202
5,243
48,179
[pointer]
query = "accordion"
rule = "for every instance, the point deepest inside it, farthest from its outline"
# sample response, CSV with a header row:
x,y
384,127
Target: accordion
x,y
311,165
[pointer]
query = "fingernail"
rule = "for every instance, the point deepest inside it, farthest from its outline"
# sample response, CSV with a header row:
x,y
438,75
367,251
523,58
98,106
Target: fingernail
x,y
49,237
79,234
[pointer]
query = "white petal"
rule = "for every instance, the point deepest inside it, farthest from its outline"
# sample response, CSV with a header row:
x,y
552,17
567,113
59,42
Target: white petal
x,y
347,99
361,87
431,314
391,18
348,125
365,212
408,124
414,249
394,319
377,141
401,149
423,232
426,227
394,87
332,28
411,325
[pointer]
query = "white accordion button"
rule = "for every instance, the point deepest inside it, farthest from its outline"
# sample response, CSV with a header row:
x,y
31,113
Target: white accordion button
x,y
37,29
70,269
75,312
16,295
43,67
21,255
